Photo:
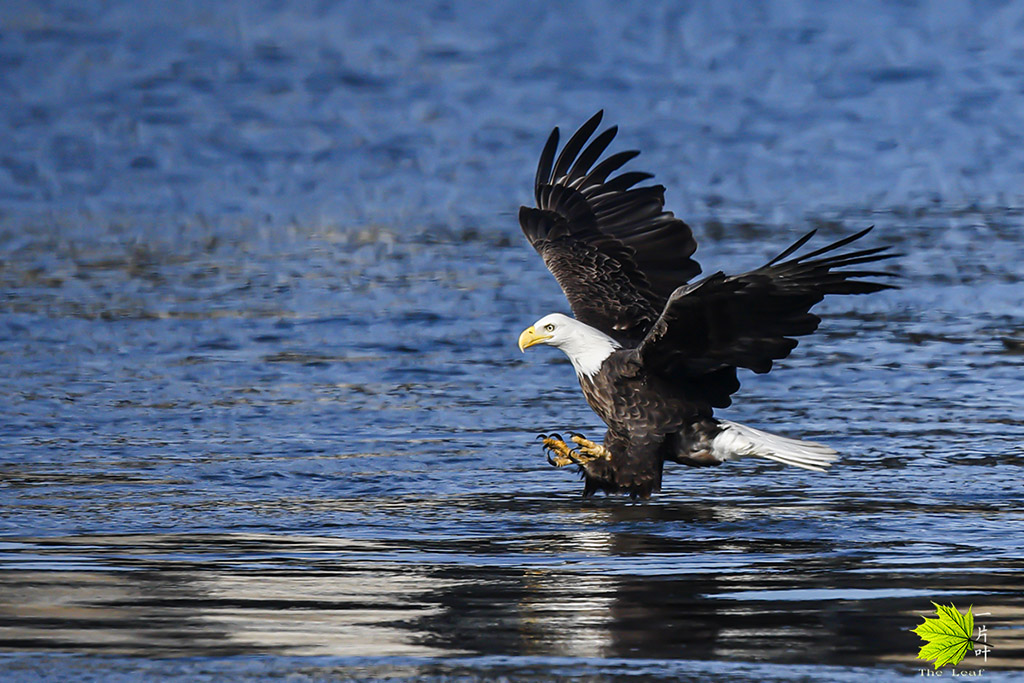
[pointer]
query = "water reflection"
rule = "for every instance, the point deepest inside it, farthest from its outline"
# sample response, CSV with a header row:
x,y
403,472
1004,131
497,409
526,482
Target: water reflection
x,y
263,594
167,596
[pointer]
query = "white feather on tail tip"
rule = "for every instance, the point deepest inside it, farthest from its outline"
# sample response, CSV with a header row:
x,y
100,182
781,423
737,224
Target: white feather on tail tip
x,y
740,441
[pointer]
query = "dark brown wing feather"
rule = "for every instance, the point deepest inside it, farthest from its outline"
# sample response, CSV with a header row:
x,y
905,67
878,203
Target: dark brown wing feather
x,y
749,320
614,250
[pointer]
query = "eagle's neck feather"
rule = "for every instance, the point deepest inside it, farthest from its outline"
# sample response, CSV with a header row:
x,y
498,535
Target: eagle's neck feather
x,y
588,348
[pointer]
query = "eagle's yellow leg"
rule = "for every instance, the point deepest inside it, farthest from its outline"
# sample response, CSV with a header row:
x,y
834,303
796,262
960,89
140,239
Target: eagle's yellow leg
x,y
589,449
561,454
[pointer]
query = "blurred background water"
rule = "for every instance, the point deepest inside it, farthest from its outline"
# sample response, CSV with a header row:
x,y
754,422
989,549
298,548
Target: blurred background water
x,y
263,414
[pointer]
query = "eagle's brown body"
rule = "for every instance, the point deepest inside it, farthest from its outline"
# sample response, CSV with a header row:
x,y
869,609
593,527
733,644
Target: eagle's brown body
x,y
649,420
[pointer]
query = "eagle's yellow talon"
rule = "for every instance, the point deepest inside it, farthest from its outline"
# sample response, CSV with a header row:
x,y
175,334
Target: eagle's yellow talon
x,y
559,452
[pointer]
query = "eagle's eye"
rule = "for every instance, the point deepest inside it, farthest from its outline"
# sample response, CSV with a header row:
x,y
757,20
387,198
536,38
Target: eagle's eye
x,y
549,327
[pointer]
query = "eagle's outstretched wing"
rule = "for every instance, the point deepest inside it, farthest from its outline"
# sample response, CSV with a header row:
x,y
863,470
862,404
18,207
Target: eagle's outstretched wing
x,y
616,253
749,320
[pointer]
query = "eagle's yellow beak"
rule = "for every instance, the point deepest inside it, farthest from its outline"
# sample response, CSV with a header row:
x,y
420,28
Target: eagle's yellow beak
x,y
529,337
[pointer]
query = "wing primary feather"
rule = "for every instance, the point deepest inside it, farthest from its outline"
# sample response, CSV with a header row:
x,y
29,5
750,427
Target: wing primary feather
x,y
546,159
793,247
621,183
839,260
841,243
867,273
575,144
594,150
609,166
852,259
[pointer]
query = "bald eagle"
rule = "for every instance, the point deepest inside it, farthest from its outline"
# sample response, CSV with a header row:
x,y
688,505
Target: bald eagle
x,y
654,353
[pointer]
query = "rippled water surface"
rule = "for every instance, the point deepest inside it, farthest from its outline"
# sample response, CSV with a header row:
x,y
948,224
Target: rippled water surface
x,y
264,416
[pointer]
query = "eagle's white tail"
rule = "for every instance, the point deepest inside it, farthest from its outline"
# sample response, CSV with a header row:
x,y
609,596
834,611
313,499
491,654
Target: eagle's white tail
x,y
740,441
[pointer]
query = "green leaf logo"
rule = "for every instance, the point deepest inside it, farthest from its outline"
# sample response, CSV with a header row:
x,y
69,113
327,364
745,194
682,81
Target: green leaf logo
x,y
948,636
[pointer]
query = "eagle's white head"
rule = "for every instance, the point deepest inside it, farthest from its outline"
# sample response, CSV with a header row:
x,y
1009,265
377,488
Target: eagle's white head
x,y
586,347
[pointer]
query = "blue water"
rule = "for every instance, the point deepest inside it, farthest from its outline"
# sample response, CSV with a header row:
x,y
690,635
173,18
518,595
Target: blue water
x,y
260,286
